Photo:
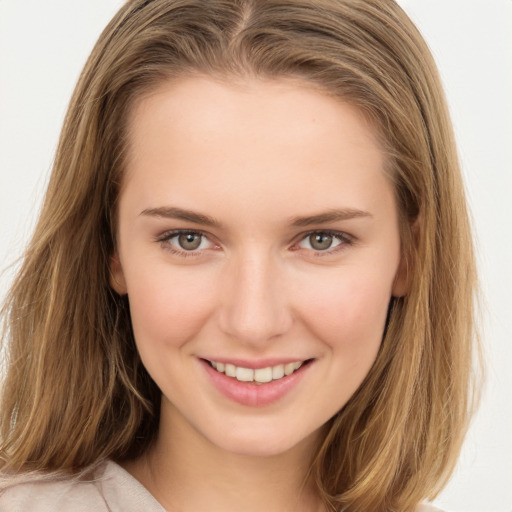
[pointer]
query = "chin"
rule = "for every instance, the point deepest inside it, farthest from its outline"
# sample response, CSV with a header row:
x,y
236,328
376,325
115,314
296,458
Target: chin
x,y
265,442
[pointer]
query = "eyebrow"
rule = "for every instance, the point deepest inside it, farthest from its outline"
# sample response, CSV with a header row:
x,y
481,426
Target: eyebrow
x,y
169,212
329,216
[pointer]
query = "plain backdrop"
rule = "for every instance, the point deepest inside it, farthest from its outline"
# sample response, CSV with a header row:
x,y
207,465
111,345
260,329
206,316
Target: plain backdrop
x,y
44,44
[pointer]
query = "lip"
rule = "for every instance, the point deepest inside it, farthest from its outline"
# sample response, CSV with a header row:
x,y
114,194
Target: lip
x,y
249,393
254,365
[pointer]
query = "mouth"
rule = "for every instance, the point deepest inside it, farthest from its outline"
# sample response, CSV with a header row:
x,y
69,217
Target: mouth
x,y
256,387
258,375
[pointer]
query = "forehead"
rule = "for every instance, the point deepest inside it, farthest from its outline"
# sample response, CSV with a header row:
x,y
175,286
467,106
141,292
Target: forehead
x,y
205,136
206,105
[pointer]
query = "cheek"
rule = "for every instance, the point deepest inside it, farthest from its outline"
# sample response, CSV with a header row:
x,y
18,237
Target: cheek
x,y
349,313
167,308
349,320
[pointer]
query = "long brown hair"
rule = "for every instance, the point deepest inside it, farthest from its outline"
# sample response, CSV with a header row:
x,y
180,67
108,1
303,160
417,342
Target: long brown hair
x,y
75,390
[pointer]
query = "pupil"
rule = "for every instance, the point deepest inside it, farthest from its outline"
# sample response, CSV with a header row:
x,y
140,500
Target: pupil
x,y
189,241
321,241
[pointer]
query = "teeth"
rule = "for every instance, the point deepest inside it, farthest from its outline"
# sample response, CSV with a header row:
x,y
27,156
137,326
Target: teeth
x,y
260,375
230,370
288,368
263,374
244,374
278,371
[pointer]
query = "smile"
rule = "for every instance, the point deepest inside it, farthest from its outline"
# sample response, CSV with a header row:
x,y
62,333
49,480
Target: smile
x,y
256,387
259,375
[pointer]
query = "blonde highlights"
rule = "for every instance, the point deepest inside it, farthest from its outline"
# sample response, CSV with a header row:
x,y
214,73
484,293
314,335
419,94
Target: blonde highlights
x,y
76,391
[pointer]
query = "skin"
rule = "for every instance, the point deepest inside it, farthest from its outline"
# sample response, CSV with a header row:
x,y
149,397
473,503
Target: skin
x,y
254,156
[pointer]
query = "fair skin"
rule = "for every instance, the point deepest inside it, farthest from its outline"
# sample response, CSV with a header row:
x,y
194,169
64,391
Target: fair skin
x,y
257,229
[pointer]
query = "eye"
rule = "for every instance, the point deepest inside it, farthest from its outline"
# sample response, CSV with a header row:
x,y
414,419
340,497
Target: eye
x,y
323,241
186,241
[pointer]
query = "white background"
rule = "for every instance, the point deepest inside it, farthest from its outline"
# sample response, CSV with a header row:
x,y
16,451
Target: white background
x,y
44,44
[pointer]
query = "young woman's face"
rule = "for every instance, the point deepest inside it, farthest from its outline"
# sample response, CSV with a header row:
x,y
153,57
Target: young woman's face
x,y
258,233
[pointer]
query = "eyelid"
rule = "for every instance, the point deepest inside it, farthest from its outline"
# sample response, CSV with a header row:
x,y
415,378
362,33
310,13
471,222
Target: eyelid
x,y
165,238
344,237
345,240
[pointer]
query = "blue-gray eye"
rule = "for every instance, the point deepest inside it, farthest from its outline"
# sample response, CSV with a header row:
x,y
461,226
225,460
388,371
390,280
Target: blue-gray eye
x,y
189,241
321,241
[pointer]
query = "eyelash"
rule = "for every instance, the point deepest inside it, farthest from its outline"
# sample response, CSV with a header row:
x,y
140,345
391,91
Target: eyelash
x,y
344,240
166,237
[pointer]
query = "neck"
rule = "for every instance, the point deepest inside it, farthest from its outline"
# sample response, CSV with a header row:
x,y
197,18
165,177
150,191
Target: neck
x,y
185,472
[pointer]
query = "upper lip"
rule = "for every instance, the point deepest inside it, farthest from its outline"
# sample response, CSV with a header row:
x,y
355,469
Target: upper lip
x,y
256,363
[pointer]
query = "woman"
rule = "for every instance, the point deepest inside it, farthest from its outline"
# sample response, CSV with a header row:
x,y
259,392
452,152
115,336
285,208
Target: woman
x,y
253,268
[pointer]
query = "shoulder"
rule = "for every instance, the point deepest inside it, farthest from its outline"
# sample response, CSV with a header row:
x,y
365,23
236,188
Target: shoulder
x,y
104,488
425,507
40,494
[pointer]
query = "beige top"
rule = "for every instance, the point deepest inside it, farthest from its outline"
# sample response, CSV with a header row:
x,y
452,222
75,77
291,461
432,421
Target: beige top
x,y
111,490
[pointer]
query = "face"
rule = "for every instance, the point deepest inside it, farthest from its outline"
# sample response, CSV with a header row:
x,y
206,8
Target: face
x,y
259,248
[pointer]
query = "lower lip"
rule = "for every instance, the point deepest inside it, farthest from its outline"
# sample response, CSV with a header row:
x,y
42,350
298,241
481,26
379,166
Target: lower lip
x,y
250,393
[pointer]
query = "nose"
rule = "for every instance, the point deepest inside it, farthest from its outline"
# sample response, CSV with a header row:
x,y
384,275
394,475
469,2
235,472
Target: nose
x,y
255,308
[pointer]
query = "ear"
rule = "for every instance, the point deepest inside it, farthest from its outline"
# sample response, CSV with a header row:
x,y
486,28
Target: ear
x,y
402,282
117,280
